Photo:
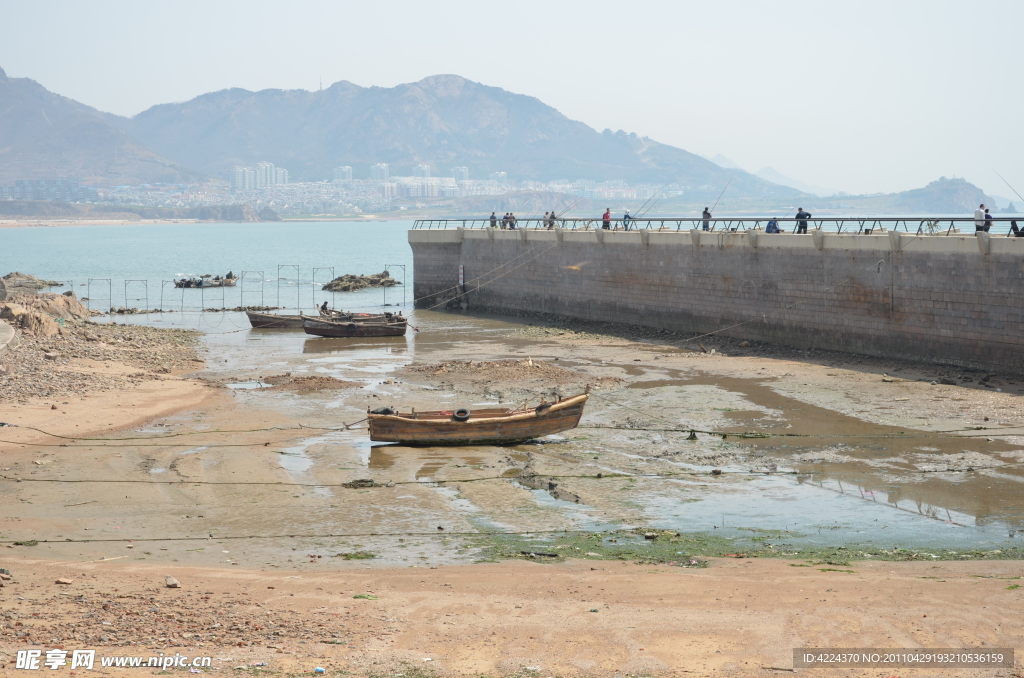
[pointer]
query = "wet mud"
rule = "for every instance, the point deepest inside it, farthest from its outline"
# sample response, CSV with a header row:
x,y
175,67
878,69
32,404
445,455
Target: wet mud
x,y
787,455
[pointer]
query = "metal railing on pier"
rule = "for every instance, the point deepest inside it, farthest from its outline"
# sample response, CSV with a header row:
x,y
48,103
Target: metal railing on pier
x,y
919,225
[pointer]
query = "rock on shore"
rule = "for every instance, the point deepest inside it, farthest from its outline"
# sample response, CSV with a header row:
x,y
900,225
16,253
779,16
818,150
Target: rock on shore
x,y
41,366
37,315
351,283
17,283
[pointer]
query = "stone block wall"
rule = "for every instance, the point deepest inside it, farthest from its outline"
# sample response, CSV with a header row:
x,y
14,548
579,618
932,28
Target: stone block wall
x,y
951,299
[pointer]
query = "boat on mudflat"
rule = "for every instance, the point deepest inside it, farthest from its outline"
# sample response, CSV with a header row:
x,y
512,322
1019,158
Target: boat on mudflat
x,y
272,321
267,321
388,326
494,426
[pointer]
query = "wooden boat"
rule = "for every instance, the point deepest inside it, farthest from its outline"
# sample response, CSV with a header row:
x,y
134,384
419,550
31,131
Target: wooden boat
x,y
271,321
479,427
393,326
267,321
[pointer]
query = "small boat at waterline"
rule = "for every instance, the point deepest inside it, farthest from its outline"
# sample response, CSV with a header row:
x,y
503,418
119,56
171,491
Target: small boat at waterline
x,y
479,427
273,321
388,326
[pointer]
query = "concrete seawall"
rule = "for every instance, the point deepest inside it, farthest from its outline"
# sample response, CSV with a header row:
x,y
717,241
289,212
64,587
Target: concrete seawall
x,y
951,299
8,337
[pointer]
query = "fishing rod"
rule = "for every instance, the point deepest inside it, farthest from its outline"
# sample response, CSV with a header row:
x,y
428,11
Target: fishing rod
x,y
720,195
657,194
574,203
651,197
1008,184
653,204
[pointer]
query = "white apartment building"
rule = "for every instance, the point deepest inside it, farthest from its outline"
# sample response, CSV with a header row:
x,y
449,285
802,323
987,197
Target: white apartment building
x,y
422,171
343,173
264,175
460,173
379,172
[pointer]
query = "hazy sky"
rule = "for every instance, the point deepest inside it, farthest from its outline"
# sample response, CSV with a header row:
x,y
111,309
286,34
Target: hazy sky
x,y
857,96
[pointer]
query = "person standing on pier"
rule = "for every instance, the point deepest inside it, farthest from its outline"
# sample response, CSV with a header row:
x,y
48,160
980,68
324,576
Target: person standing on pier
x,y
988,221
979,218
606,219
803,217
494,221
554,220
706,215
625,220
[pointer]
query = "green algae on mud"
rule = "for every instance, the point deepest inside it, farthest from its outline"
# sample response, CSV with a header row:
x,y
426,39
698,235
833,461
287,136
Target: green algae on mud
x,y
668,547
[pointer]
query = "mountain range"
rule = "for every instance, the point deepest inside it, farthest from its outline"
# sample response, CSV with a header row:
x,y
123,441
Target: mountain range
x,y
444,121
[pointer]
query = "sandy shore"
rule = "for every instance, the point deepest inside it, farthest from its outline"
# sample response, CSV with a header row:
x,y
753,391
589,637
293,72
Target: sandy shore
x,y
736,617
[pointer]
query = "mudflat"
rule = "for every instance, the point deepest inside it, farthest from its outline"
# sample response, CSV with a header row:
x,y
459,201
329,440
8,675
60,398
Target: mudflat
x,y
820,501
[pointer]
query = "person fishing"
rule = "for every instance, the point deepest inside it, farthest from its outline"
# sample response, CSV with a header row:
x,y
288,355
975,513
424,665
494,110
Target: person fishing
x,y
772,226
625,220
323,309
988,221
606,219
979,218
494,221
511,221
1014,231
803,217
706,215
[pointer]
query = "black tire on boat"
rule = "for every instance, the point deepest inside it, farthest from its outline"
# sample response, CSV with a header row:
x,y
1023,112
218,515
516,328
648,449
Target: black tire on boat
x,y
461,414
351,327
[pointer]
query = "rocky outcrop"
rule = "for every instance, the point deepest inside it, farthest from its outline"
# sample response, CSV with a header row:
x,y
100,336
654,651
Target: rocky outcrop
x,y
267,214
16,282
351,283
38,315
32,323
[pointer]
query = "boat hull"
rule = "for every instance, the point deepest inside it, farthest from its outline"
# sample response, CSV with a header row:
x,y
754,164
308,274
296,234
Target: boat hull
x,y
485,430
352,328
270,321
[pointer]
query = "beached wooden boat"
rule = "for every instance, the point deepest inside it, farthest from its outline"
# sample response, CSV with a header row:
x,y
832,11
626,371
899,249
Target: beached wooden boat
x,y
394,326
271,321
266,321
479,427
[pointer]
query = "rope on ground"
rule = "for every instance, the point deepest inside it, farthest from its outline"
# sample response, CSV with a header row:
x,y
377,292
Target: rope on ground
x,y
361,485
444,533
901,435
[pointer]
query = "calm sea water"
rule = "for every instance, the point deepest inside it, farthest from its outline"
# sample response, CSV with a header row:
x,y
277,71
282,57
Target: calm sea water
x,y
278,260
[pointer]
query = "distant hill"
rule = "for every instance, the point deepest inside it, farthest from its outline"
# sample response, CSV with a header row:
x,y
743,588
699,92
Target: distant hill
x,y
942,196
46,136
445,121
